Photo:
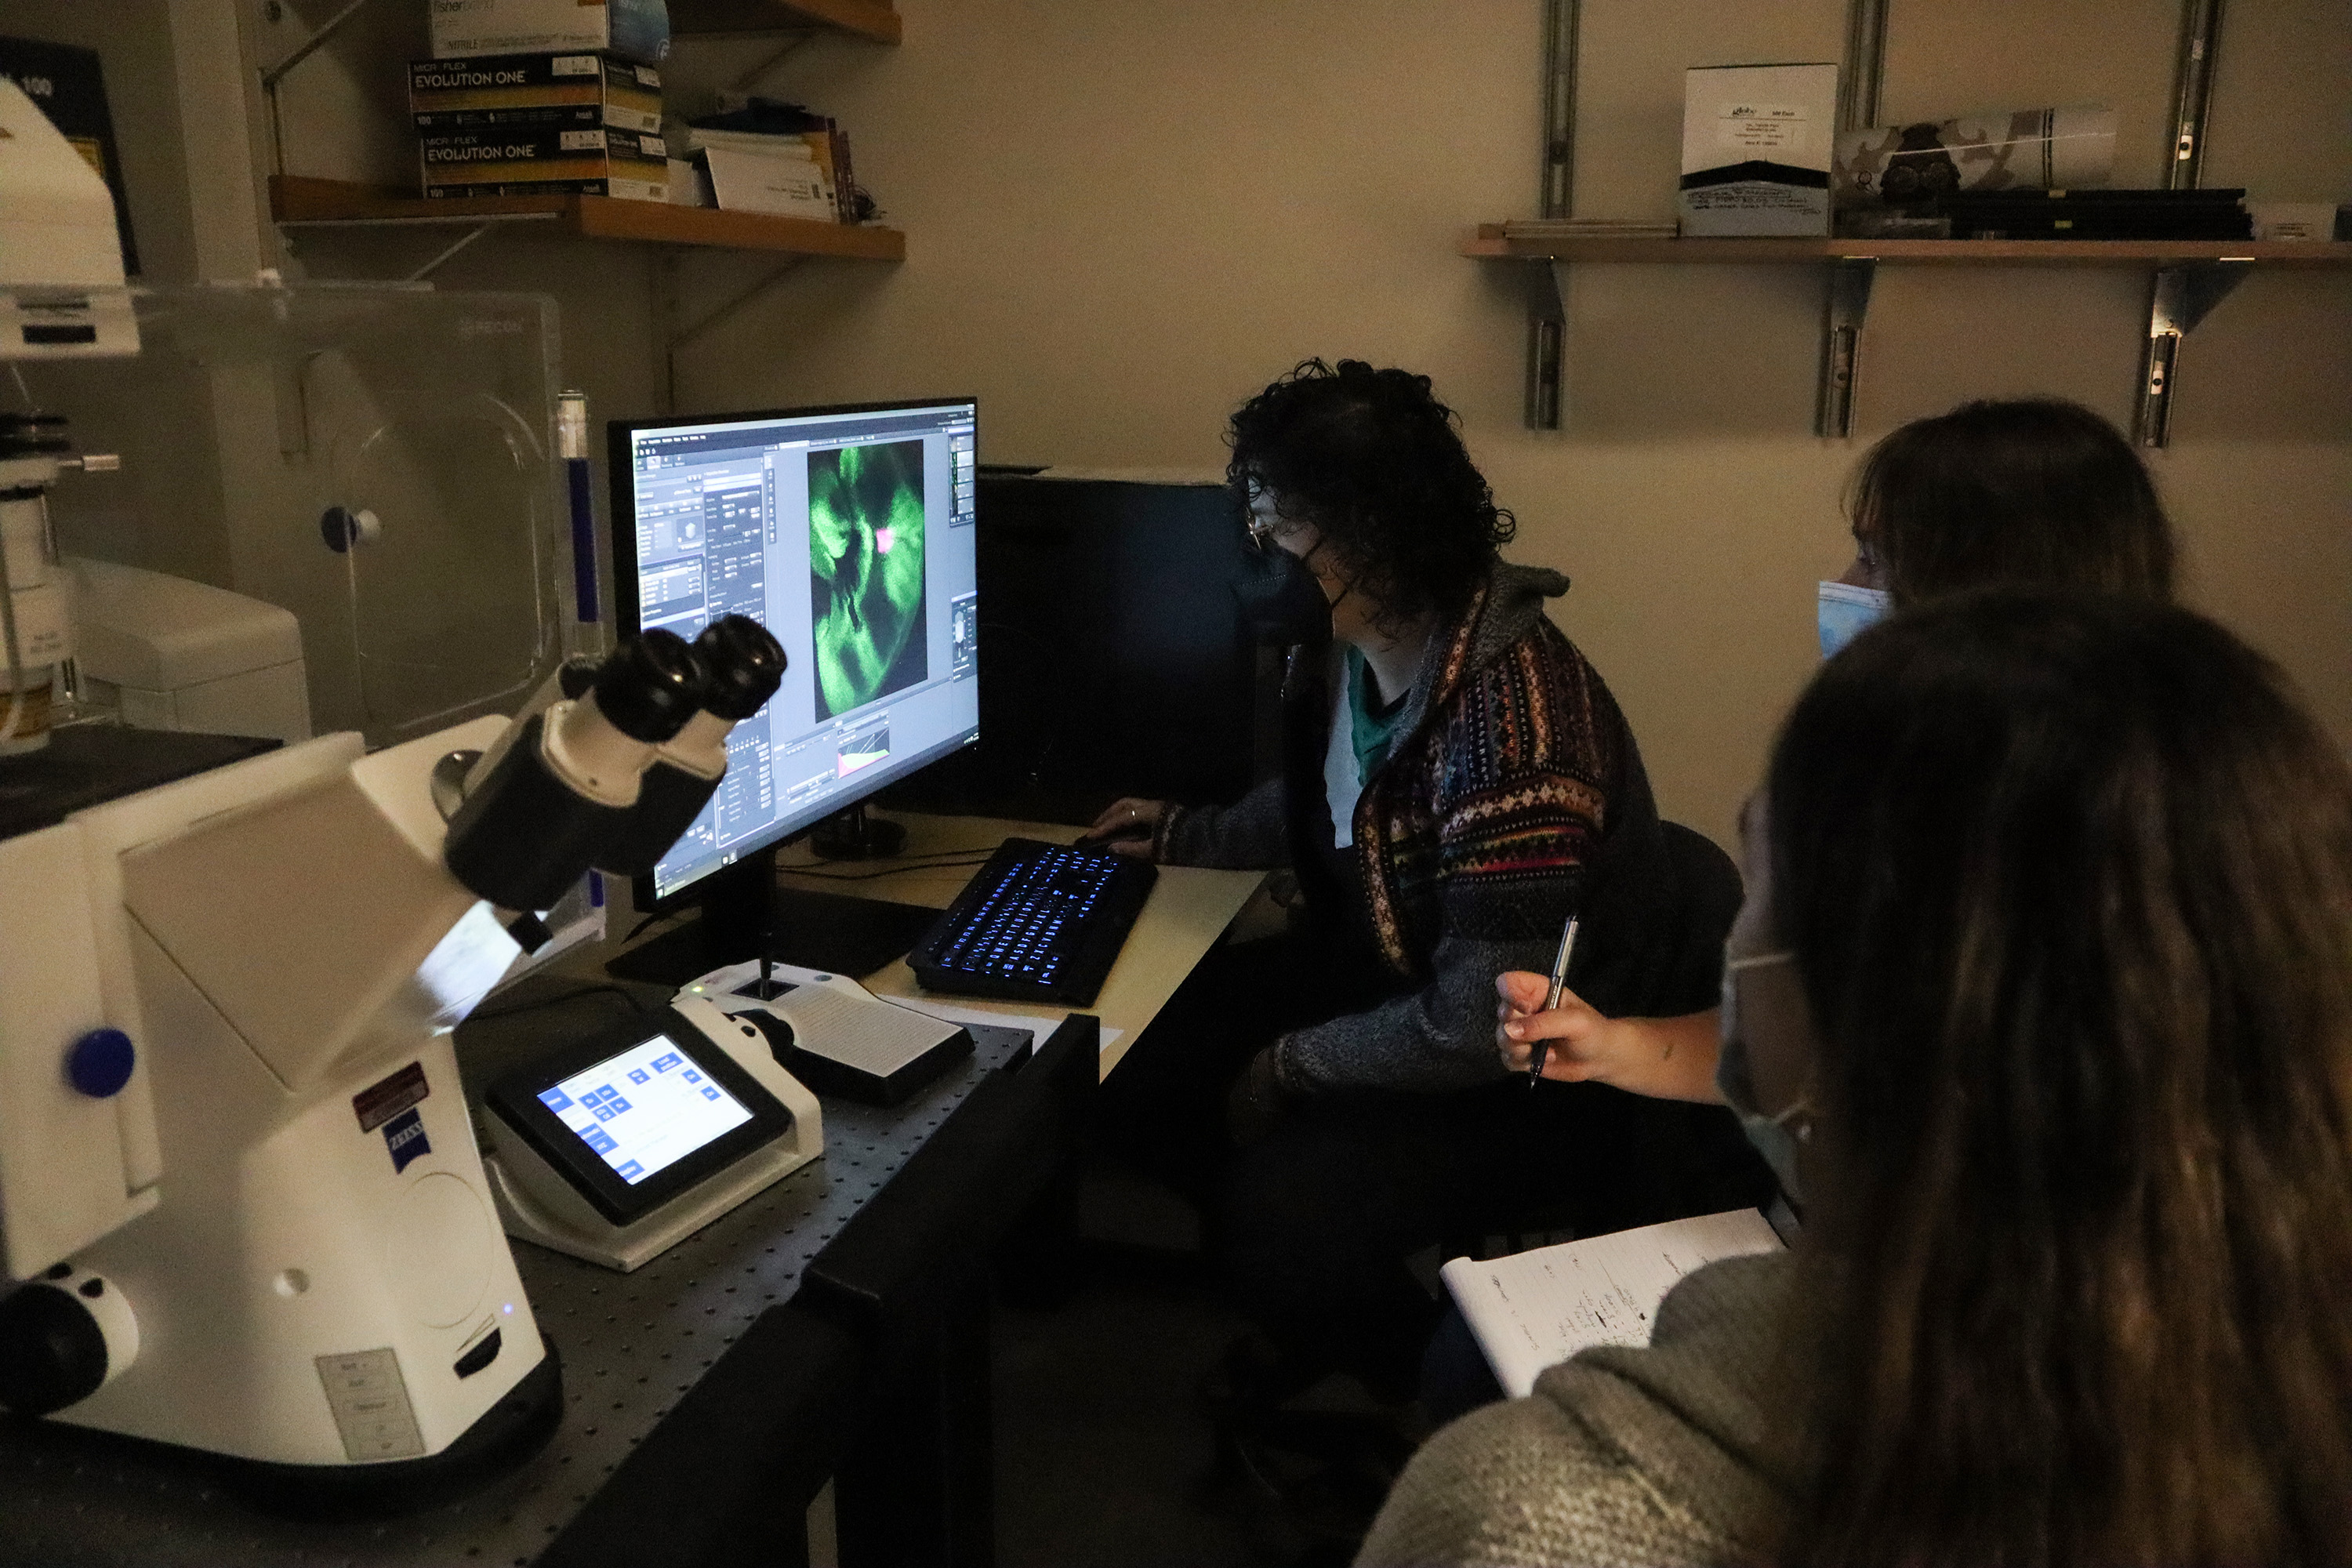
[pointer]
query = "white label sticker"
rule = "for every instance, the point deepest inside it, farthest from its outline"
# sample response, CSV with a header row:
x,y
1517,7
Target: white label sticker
x,y
1761,127
370,1401
583,141
574,65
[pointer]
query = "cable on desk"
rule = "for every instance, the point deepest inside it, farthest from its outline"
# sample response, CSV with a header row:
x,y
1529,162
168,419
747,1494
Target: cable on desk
x,y
975,860
655,919
904,862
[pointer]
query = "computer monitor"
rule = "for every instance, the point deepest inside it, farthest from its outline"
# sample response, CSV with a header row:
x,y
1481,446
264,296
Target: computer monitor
x,y
848,533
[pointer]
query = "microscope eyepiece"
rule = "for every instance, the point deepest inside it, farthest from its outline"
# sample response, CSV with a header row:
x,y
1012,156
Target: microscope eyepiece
x,y
746,663
651,686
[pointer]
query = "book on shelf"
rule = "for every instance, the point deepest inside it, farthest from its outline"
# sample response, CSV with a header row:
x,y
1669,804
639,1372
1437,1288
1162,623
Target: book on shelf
x,y
2065,214
503,89
1534,1310
1557,228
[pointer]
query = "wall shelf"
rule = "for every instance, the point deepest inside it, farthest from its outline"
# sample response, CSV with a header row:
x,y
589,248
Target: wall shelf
x,y
1488,242
299,202
2190,277
868,19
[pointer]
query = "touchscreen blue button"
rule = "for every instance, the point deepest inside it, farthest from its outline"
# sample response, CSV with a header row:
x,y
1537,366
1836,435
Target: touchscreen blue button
x,y
596,1138
555,1100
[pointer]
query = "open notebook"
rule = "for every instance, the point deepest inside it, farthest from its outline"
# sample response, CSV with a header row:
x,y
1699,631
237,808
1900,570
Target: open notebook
x,y
1533,1310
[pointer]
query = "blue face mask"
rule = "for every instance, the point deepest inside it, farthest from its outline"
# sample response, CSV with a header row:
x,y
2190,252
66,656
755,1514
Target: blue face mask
x,y
1845,611
1776,1136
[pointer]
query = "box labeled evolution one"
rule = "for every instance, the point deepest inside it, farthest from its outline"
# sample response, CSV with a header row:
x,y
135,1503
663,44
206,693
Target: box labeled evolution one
x,y
635,29
1757,142
579,89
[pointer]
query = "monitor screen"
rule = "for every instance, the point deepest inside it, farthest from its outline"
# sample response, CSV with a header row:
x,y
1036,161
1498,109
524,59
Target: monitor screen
x,y
849,534
645,1108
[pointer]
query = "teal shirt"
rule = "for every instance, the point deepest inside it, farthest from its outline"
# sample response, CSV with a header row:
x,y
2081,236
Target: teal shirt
x,y
1373,733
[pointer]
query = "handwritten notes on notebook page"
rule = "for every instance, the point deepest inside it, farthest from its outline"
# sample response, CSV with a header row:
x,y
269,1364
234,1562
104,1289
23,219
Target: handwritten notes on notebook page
x,y
1533,1310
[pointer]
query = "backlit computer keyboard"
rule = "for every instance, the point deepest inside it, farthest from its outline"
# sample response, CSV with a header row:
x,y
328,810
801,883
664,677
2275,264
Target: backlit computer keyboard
x,y
1041,922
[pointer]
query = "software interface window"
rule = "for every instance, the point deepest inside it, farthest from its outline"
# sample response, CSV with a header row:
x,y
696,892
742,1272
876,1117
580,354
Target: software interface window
x,y
849,536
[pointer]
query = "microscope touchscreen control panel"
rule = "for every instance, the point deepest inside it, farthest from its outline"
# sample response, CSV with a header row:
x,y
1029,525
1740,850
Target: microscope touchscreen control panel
x,y
633,1117
645,1108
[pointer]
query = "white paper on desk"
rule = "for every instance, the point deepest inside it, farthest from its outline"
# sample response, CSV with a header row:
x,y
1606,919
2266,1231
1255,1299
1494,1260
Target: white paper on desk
x,y
1534,1310
1040,1029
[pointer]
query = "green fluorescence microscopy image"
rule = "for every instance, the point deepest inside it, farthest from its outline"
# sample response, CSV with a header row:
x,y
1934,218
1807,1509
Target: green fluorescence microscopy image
x,y
866,573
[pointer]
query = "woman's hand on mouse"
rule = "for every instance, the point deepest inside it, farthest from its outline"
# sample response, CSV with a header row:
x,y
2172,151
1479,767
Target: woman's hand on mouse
x,y
1128,824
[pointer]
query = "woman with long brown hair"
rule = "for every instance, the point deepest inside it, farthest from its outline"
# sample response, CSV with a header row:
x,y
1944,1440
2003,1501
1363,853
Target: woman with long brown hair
x,y
2046,985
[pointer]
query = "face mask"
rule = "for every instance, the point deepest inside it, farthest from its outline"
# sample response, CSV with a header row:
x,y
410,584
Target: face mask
x,y
1282,602
1844,611
1776,1137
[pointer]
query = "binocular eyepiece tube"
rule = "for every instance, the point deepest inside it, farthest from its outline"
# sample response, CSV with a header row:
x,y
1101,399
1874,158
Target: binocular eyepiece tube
x,y
610,778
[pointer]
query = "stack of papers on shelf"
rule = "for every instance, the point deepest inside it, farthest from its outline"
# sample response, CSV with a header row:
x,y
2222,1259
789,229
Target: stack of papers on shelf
x,y
767,157
1557,228
755,171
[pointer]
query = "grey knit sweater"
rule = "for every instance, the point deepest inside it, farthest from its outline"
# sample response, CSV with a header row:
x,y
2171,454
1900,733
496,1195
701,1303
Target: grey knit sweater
x,y
1670,1454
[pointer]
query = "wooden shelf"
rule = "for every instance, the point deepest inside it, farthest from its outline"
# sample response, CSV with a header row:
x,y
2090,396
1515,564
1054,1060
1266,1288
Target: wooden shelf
x,y
1487,242
297,201
873,20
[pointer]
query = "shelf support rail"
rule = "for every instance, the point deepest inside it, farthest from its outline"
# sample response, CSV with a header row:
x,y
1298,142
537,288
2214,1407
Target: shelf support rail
x,y
430,268
1846,308
2181,296
1547,345
1547,315
272,75
1845,295
680,337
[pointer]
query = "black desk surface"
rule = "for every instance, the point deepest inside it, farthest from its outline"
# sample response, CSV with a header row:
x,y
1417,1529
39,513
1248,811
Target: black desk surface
x,y
631,1344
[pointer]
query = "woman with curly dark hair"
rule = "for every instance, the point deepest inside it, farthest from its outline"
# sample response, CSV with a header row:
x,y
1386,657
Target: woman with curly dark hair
x,y
2044,993
1457,781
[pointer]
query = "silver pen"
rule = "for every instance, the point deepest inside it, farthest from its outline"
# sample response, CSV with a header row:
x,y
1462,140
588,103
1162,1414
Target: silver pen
x,y
1552,997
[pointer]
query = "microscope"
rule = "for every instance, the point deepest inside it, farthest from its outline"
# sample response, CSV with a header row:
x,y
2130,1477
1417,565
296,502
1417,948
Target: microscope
x,y
241,1209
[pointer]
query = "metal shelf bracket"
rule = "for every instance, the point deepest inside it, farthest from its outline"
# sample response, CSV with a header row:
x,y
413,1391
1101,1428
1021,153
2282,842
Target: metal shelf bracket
x,y
1546,316
1547,345
1845,301
2180,298
1845,309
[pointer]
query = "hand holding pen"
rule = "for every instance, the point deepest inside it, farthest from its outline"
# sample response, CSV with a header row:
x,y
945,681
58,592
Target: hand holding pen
x,y
1552,997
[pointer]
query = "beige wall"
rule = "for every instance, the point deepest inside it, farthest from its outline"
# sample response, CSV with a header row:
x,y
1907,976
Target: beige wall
x,y
1124,219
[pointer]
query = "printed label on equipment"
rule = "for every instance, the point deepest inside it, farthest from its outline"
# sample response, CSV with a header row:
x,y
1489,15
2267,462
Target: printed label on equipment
x,y
370,1401
405,1136
381,1101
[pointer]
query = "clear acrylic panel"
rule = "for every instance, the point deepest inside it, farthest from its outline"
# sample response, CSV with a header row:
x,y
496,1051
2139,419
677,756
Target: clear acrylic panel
x,y
379,460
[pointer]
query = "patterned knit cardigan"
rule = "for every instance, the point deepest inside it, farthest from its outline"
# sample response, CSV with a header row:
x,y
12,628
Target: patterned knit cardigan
x,y
1512,764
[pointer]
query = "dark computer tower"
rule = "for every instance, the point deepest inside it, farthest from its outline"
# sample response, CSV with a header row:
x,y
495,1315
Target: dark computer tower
x,y
1113,659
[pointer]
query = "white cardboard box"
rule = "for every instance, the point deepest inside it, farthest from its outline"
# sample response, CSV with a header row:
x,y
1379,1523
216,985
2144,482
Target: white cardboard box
x,y
639,29
1757,147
